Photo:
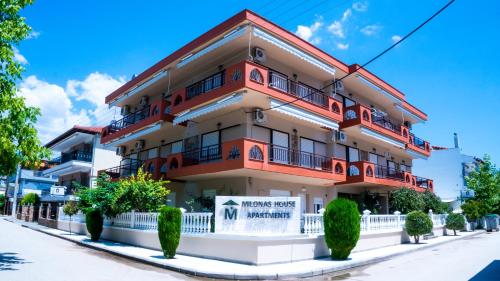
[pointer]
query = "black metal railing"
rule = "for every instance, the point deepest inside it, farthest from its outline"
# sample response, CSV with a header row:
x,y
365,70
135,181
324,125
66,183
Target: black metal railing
x,y
387,124
78,155
129,119
421,182
201,155
420,143
287,156
127,168
297,89
385,172
212,82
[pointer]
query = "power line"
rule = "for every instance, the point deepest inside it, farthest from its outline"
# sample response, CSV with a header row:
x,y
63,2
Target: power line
x,y
367,63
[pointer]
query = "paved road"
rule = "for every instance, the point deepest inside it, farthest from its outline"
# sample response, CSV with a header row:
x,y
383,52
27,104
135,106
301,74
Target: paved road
x,y
29,255
473,258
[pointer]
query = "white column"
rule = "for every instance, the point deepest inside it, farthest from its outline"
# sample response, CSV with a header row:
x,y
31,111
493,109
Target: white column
x,y
366,215
398,218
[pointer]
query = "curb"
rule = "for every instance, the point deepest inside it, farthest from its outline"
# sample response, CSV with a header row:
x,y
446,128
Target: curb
x,y
244,276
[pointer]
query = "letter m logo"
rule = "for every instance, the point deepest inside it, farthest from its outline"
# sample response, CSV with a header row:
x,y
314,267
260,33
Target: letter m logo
x,y
230,213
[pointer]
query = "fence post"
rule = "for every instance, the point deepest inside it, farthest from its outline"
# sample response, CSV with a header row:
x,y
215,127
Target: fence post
x,y
132,219
431,216
398,218
366,215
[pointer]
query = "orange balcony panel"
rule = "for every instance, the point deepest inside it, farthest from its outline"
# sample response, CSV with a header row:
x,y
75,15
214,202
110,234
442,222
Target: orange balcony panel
x,y
157,112
419,146
367,172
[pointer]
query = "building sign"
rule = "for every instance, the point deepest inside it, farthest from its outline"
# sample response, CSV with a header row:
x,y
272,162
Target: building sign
x,y
257,215
57,190
27,191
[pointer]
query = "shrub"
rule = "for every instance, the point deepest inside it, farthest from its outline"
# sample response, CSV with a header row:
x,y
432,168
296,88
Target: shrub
x,y
100,198
406,200
169,230
455,222
418,223
2,201
70,209
30,199
434,203
94,221
342,227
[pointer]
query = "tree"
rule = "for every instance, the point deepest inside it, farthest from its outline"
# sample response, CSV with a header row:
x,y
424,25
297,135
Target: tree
x,y
30,199
99,198
473,210
70,209
417,223
485,181
140,193
455,222
19,143
434,203
169,230
406,200
342,227
2,201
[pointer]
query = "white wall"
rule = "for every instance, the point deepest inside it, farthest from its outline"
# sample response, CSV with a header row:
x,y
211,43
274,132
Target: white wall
x,y
103,158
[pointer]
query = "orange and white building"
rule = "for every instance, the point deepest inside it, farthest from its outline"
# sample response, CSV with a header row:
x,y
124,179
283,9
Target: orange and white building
x,y
249,108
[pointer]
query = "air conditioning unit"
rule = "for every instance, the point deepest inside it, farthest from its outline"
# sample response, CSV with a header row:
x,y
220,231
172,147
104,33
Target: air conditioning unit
x,y
338,87
125,110
387,154
259,55
120,150
342,137
259,116
144,101
139,144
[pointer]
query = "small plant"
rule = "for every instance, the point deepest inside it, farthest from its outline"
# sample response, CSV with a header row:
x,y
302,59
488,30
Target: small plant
x,y
169,230
406,200
418,223
455,222
30,199
473,211
70,209
342,227
94,221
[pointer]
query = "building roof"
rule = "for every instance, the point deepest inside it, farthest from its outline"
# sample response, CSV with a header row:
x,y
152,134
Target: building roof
x,y
247,15
435,147
77,128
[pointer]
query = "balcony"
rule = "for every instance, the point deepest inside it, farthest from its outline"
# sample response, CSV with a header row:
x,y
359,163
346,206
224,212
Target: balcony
x,y
419,145
247,157
248,75
76,161
152,113
77,155
364,172
124,170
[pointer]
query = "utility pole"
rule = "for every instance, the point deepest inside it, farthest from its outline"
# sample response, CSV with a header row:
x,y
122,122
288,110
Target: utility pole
x,y
16,190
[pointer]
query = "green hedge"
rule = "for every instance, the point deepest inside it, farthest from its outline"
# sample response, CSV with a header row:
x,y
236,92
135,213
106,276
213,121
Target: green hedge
x,y
94,221
342,227
418,223
169,230
30,199
455,222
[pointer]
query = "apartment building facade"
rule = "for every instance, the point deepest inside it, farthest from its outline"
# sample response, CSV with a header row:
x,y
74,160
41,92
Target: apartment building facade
x,y
249,108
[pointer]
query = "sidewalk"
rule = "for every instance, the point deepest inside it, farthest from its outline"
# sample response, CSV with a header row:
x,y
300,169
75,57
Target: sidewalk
x,y
227,270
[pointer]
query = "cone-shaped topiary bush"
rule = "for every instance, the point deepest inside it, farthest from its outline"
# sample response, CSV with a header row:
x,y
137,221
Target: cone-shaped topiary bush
x,y
455,222
94,221
342,227
418,223
169,230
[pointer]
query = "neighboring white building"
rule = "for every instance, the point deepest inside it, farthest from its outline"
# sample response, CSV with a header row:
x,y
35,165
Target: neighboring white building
x,y
82,156
448,167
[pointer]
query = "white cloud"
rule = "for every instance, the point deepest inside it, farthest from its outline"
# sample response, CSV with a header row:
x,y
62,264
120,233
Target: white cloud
x,y
337,29
33,35
308,33
360,6
19,57
370,30
346,15
342,46
57,104
396,38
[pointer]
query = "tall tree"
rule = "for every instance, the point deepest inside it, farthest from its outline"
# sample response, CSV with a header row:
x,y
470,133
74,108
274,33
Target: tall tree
x,y
19,143
485,181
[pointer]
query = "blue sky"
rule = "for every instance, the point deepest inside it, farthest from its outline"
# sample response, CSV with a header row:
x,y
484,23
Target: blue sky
x,y
81,50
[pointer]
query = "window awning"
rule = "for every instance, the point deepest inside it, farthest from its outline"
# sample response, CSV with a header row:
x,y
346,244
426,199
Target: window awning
x,y
409,113
378,89
224,102
373,134
303,115
141,87
257,32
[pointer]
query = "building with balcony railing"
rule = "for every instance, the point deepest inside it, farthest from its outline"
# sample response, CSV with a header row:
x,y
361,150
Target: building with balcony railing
x,y
250,109
80,155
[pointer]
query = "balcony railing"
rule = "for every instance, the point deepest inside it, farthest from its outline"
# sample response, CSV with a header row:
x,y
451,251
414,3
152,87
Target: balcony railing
x,y
422,182
297,89
212,82
127,169
129,119
201,155
385,172
420,143
383,122
287,156
85,156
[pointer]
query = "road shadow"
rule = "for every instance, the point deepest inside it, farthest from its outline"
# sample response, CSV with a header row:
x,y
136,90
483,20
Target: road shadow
x,y
490,272
9,260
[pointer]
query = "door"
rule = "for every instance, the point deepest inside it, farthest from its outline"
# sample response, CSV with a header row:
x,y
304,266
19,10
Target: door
x,y
303,203
391,168
353,154
317,204
280,152
373,158
306,153
210,146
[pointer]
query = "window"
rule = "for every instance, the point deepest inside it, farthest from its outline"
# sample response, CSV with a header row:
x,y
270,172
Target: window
x,y
340,151
317,204
261,134
280,144
353,154
177,147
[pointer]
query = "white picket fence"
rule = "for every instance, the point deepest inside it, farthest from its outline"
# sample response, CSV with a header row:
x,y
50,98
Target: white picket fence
x,y
192,223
